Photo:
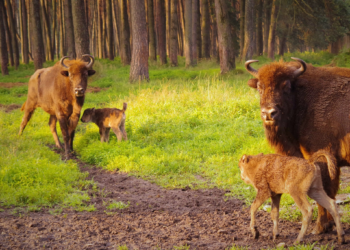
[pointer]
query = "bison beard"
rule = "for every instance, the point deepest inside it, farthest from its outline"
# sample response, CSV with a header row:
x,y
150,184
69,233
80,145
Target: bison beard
x,y
60,91
310,108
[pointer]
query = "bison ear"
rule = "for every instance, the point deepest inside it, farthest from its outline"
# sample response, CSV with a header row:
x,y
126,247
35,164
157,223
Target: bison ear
x,y
245,159
64,73
91,72
253,83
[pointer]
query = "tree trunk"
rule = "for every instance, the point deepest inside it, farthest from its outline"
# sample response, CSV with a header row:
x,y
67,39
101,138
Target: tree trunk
x,y
214,34
151,31
272,33
46,23
61,29
173,33
36,32
53,28
226,50
283,40
81,33
3,45
259,33
12,24
188,33
241,26
179,30
249,27
267,19
195,23
205,29
116,27
69,28
24,32
161,30
182,24
110,30
139,59
125,33
8,34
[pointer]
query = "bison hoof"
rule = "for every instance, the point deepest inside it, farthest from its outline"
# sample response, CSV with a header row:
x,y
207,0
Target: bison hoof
x,y
255,233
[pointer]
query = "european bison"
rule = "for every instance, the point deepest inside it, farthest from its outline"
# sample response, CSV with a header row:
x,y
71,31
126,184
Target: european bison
x,y
106,119
60,91
273,175
304,111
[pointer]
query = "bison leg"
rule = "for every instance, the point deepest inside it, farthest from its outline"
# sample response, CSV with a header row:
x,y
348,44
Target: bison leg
x,y
259,200
71,138
27,115
106,135
306,209
322,198
275,214
122,128
64,128
102,134
52,124
118,133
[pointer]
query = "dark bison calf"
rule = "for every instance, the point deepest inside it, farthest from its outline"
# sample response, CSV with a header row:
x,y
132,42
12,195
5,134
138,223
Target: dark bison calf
x,y
106,119
273,175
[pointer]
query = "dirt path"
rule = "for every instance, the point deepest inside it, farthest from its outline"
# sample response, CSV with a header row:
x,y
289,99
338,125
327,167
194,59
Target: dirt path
x,y
156,219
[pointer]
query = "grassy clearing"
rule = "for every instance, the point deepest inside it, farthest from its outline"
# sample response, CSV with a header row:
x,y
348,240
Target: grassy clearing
x,y
186,127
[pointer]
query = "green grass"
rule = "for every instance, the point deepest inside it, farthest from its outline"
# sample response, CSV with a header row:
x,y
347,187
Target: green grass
x,y
186,127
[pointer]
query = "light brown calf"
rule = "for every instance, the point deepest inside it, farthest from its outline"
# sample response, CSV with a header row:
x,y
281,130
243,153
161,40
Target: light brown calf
x,y
273,175
106,119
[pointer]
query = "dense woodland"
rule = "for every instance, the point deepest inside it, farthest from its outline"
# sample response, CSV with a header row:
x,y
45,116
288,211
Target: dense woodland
x,y
141,30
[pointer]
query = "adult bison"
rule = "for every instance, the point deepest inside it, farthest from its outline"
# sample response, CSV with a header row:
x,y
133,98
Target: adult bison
x,y
305,109
60,91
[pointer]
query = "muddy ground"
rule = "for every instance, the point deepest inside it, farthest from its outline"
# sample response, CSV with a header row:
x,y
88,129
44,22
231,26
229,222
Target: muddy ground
x,y
157,218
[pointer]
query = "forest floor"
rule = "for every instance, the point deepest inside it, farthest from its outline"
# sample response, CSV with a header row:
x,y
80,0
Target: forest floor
x,y
152,218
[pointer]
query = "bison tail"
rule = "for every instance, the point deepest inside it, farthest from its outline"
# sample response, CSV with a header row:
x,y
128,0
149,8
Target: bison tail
x,y
331,162
23,106
125,105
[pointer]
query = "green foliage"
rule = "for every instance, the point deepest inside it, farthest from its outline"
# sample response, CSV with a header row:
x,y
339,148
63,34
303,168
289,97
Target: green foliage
x,y
117,205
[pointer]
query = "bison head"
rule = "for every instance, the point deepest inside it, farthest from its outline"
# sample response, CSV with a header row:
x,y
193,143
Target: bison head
x,y
88,115
275,83
78,71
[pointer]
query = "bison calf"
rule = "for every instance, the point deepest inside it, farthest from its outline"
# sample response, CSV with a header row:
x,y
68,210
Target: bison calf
x,y
106,119
272,175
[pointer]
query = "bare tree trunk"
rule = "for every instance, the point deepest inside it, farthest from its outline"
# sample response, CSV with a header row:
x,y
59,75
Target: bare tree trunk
x,y
241,26
110,30
272,33
226,50
168,21
181,10
161,30
205,29
283,40
81,33
116,27
195,23
36,32
214,34
151,31
24,32
180,30
267,19
125,33
139,59
69,28
188,33
46,23
12,25
53,29
173,33
3,45
259,33
248,30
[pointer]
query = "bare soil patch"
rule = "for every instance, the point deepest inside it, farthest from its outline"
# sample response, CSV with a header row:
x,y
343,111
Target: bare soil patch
x,y
94,89
10,107
157,218
12,84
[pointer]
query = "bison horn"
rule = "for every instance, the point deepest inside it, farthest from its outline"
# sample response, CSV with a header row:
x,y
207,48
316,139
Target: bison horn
x,y
92,60
62,63
249,68
301,70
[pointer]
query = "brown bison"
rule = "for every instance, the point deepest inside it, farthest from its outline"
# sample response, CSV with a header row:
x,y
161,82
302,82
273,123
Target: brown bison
x,y
60,91
273,175
305,109
106,119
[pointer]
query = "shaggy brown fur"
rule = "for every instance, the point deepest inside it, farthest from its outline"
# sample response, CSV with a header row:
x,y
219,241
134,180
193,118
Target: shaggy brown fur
x,y
106,119
306,113
274,175
59,91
